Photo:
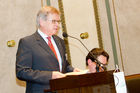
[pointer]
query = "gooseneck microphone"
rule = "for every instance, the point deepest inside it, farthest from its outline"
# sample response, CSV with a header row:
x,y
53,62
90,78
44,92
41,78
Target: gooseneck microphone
x,y
65,35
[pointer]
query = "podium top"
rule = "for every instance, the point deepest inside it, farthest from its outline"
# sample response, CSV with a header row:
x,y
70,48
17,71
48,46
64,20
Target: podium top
x,y
83,80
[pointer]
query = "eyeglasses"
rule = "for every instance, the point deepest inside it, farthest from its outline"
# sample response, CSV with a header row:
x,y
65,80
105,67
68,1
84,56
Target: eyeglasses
x,y
103,65
55,21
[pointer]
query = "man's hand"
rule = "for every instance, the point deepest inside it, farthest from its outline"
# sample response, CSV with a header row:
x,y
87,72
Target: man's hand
x,y
77,70
56,74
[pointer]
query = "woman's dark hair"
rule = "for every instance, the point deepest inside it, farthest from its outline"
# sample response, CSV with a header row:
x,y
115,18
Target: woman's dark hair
x,y
96,52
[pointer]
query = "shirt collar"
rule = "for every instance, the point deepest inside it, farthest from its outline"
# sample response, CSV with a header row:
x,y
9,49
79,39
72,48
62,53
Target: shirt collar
x,y
42,34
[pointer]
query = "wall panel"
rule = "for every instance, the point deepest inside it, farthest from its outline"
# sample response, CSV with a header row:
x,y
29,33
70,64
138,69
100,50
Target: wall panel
x,y
18,19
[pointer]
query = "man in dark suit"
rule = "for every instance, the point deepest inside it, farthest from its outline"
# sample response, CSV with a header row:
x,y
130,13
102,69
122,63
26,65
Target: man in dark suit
x,y
36,61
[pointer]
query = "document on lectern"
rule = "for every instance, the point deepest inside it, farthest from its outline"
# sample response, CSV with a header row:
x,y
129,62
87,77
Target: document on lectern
x,y
120,83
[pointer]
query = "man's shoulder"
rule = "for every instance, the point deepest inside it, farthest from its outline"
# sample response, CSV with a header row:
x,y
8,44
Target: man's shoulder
x,y
29,37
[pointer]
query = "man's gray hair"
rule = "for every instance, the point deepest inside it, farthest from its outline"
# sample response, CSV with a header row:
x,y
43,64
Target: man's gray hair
x,y
44,12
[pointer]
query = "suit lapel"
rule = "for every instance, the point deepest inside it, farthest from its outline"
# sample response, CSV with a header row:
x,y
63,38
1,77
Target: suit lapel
x,y
60,48
43,44
57,41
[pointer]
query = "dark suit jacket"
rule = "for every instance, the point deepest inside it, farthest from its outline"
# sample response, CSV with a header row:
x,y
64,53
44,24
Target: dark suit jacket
x,y
35,62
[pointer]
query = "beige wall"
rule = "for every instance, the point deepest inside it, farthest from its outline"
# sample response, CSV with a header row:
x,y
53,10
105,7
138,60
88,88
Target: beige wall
x,y
127,14
125,19
17,19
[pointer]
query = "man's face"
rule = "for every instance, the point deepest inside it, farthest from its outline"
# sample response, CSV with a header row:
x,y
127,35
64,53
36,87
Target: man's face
x,y
51,25
102,59
92,65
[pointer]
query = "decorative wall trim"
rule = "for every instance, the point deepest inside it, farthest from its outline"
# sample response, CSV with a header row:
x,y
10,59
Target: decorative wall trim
x,y
111,32
118,35
48,2
99,33
44,2
41,3
64,29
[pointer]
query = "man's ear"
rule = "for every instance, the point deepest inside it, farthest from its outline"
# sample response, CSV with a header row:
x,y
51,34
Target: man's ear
x,y
41,21
89,61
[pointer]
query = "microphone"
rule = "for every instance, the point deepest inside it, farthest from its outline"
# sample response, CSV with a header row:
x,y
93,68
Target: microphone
x,y
65,35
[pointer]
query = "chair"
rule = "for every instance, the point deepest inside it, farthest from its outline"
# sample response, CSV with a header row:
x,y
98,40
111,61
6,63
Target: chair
x,y
133,83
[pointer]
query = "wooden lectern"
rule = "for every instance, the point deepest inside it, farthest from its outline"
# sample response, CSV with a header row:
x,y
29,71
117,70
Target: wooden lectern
x,y
101,82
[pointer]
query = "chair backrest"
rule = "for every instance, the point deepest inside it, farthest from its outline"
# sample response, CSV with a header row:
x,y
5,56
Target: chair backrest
x,y
133,83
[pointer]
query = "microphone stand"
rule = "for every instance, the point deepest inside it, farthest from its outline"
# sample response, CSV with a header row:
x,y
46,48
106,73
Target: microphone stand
x,y
79,41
